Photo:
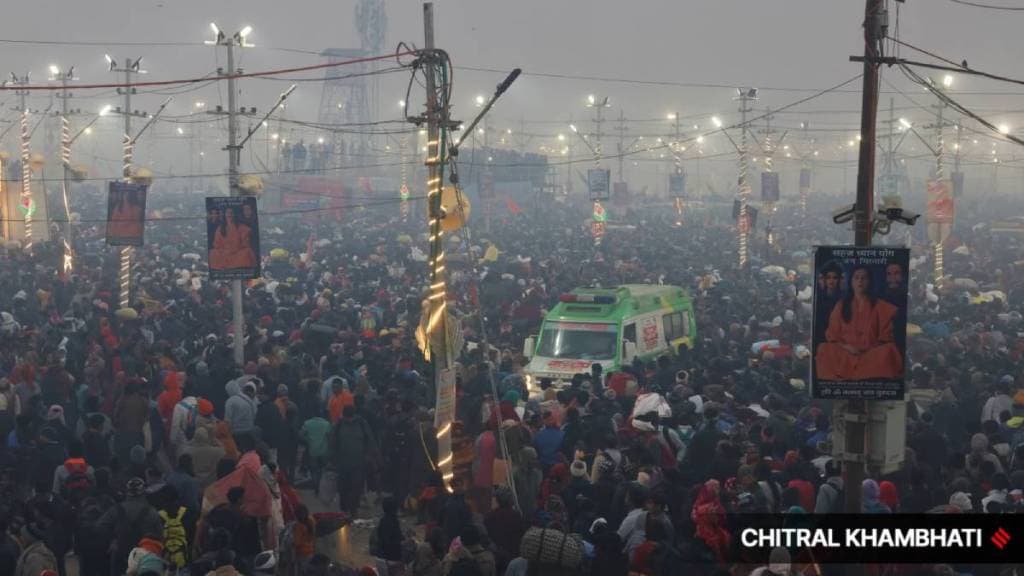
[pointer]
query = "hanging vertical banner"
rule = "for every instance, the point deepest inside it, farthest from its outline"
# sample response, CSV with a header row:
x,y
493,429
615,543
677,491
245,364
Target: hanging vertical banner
x,y
769,186
677,185
958,184
126,211
888,185
859,332
751,222
444,408
805,178
599,183
940,210
233,238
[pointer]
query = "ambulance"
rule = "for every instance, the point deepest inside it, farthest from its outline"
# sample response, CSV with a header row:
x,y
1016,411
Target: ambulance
x,y
610,327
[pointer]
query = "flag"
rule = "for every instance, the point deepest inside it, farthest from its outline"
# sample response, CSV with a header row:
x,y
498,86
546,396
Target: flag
x,y
513,208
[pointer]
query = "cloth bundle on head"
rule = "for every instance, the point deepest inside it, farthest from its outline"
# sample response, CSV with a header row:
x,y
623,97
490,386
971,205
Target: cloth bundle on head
x,y
578,469
135,487
961,501
56,412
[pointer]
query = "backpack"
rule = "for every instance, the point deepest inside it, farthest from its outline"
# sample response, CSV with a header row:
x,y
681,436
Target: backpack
x,y
465,567
77,484
89,540
175,539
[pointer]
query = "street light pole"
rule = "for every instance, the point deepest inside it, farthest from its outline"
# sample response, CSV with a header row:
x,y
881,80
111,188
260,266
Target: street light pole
x,y
26,169
745,96
66,76
130,68
234,159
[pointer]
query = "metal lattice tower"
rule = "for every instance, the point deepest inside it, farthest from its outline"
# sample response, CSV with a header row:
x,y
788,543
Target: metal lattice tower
x,y
350,96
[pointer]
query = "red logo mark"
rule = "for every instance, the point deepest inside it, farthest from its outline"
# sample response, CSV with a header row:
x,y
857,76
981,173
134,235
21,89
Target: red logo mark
x,y
1001,538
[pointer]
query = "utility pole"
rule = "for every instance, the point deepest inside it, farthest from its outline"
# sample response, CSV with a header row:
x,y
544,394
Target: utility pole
x,y
127,145
856,413
442,356
805,165
745,96
234,159
677,149
65,159
939,231
770,146
621,128
26,169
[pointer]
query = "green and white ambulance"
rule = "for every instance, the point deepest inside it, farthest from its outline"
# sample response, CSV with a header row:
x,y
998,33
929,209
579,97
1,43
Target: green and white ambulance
x,y
610,327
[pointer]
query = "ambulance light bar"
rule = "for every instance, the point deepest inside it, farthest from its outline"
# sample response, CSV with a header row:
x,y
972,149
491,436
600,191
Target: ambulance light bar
x,y
587,299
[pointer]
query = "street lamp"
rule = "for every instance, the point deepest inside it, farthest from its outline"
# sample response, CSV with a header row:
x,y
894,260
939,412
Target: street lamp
x,y
480,100
671,116
1004,129
561,137
716,121
905,123
947,80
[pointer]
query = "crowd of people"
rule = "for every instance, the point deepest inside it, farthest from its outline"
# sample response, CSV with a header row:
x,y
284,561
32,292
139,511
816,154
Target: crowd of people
x,y
134,444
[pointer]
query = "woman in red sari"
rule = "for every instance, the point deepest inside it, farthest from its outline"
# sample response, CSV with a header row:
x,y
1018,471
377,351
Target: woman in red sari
x,y
859,342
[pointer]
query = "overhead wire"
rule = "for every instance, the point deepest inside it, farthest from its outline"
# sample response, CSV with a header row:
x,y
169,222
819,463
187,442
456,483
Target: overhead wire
x,y
44,87
189,218
988,6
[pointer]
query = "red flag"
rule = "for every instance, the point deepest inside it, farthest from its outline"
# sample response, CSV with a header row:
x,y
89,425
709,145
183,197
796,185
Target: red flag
x,y
513,208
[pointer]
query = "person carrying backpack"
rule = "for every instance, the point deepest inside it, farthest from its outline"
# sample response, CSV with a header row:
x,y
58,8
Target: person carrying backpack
x,y
75,477
831,497
128,523
352,445
175,544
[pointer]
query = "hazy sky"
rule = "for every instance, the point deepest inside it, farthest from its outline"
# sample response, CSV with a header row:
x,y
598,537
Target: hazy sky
x,y
764,43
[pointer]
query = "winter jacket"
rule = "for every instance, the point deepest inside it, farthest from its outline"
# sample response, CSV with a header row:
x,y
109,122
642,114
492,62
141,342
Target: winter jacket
x,y
352,443
547,442
314,433
62,473
483,558
185,411
34,559
828,496
240,412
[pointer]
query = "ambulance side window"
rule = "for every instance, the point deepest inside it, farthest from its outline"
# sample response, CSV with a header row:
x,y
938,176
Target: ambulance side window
x,y
628,333
675,327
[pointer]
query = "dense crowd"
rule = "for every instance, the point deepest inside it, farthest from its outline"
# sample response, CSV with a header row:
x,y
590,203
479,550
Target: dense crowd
x,y
134,444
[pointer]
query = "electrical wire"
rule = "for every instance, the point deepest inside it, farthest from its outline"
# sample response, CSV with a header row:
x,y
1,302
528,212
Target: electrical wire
x,y
40,87
988,6
381,202
941,95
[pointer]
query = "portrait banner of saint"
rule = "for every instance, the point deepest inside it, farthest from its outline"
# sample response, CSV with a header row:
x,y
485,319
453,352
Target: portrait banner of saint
x,y
233,238
860,322
126,213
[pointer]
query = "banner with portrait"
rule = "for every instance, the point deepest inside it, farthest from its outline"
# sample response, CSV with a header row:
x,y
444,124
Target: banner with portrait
x,y
751,222
677,185
769,186
859,334
126,213
233,238
599,183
